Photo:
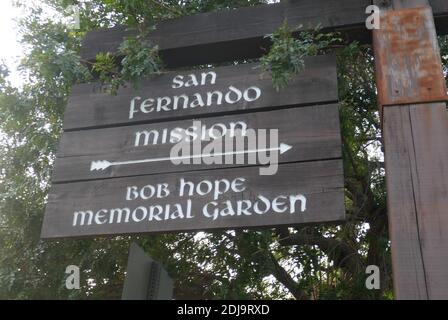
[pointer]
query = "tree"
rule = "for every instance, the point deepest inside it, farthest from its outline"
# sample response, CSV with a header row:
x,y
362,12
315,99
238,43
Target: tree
x,y
303,263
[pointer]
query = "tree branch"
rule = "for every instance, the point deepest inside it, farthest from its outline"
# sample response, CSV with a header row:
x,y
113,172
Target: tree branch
x,y
343,255
284,278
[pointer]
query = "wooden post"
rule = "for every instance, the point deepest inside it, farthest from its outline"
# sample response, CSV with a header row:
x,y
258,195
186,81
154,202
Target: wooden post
x,y
412,95
145,279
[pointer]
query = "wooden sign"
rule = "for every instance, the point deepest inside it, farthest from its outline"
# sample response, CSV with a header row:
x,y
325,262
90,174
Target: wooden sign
x,y
233,34
312,133
301,192
219,91
122,168
214,199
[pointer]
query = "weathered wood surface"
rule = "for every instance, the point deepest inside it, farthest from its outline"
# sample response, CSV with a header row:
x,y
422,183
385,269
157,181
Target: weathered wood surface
x,y
416,153
416,156
408,63
91,107
313,132
231,34
321,183
239,34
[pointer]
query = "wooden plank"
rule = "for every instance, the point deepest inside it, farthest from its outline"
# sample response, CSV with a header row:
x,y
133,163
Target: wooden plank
x,y
397,53
408,268
238,34
310,193
312,132
417,182
230,34
91,107
416,169
431,193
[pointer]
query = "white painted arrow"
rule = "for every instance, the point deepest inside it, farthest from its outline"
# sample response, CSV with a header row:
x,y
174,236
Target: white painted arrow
x,y
104,164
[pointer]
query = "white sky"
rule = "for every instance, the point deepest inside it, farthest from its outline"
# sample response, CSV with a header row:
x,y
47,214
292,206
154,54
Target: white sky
x,y
10,51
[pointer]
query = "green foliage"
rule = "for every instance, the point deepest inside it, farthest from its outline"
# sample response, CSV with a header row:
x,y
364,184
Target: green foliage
x,y
198,6
140,60
143,14
105,67
444,49
287,53
140,57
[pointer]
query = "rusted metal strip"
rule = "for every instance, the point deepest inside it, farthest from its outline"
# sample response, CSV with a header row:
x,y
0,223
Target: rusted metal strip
x,y
407,59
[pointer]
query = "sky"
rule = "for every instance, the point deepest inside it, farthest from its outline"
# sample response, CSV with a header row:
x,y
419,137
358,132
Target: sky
x,y
10,51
